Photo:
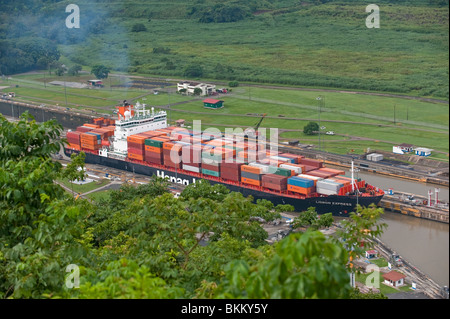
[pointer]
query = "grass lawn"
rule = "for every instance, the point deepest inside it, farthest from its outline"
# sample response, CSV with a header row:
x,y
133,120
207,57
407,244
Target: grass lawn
x,y
97,196
380,262
384,289
85,187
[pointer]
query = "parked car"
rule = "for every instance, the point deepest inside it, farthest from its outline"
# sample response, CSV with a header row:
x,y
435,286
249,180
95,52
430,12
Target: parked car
x,y
329,133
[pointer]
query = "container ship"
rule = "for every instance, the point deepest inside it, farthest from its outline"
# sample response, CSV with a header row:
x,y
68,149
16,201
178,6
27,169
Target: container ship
x,y
141,141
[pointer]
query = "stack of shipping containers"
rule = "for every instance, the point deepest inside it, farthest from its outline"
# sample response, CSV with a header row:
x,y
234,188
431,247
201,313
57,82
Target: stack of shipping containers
x,y
274,182
136,147
251,175
172,154
154,149
74,140
90,141
220,157
191,156
300,185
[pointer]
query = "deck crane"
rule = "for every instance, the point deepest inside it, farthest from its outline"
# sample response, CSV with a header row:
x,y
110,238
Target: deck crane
x,y
252,132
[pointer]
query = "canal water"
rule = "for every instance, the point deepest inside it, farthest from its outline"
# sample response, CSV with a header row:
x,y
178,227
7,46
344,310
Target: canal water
x,y
424,243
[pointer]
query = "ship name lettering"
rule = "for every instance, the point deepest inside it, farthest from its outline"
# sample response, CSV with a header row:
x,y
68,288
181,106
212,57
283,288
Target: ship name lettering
x,y
174,179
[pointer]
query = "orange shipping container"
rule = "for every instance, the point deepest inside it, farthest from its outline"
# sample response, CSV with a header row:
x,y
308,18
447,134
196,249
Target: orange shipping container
x,y
250,181
251,169
90,146
300,190
137,139
153,149
92,125
136,156
74,146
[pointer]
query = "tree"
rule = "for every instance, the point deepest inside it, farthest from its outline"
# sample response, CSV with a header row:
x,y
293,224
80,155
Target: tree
x,y
303,266
310,219
139,27
125,279
193,70
73,70
233,84
100,71
39,222
198,91
311,128
358,233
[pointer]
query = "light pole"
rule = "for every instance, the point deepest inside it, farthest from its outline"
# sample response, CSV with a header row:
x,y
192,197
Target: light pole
x,y
321,100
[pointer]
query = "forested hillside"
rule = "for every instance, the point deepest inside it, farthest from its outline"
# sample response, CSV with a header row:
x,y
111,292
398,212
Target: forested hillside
x,y
303,43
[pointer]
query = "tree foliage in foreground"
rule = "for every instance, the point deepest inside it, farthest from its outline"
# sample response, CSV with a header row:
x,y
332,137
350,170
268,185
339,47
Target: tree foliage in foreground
x,y
142,242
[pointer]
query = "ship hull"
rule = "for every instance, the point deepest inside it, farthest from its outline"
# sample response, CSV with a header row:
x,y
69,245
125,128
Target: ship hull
x,y
337,205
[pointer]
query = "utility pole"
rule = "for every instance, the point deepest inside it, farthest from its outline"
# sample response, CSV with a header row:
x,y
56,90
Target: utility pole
x,y
394,114
321,100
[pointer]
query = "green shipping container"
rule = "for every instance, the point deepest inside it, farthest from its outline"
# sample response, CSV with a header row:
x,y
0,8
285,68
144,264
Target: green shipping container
x,y
283,172
217,158
150,142
209,172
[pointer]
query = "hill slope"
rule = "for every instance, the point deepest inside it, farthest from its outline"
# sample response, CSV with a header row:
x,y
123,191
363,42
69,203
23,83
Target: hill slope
x,y
316,43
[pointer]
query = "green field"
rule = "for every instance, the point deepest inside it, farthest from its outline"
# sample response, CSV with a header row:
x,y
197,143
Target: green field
x,y
325,45
85,187
348,115
309,45
97,196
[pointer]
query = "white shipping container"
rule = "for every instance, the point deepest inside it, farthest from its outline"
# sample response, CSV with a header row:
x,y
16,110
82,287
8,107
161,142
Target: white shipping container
x,y
280,159
296,169
316,178
330,185
191,168
324,191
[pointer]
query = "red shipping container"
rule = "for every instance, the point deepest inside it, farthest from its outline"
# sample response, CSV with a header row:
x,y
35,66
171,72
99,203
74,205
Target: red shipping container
x,y
168,162
231,177
136,145
333,171
296,158
215,168
84,129
311,162
233,166
136,151
320,174
274,179
275,187
309,168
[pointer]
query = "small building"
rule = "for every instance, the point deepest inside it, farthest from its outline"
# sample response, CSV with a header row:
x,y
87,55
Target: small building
x,y
394,279
422,151
180,123
189,87
403,148
374,157
370,254
213,104
95,83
